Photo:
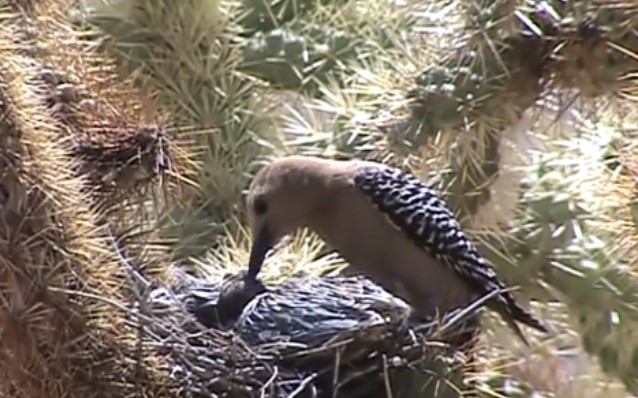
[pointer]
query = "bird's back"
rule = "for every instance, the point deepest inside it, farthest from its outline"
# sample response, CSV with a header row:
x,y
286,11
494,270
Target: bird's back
x,y
424,218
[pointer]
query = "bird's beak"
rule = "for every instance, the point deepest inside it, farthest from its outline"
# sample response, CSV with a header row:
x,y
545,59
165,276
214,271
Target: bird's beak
x,y
262,243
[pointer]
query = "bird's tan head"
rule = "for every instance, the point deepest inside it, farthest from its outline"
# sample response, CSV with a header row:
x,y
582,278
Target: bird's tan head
x,y
286,195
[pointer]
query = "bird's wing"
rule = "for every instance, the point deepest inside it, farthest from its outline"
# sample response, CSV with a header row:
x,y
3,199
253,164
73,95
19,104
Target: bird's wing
x,y
425,218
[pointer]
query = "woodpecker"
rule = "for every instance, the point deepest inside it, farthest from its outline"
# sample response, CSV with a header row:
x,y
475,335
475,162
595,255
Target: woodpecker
x,y
386,224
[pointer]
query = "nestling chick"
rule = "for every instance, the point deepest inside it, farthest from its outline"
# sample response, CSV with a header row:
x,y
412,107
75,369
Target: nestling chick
x,y
236,292
385,223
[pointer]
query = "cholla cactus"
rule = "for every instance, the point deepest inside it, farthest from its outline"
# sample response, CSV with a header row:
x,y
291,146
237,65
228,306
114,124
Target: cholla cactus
x,y
487,86
266,15
186,54
317,47
55,263
303,58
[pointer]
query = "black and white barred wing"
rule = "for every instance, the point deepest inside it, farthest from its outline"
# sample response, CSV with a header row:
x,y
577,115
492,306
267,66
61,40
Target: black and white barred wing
x,y
424,217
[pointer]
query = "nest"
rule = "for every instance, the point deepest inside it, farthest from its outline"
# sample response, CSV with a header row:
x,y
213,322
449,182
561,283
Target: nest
x,y
338,336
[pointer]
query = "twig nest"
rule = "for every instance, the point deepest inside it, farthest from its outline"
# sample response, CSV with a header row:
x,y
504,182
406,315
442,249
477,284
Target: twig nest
x,y
344,336
314,310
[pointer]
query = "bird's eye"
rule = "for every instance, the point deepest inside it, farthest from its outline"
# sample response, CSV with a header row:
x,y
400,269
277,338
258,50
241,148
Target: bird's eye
x,y
260,206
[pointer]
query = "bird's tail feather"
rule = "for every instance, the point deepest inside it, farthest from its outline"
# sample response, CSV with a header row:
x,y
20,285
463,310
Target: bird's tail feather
x,y
512,313
520,315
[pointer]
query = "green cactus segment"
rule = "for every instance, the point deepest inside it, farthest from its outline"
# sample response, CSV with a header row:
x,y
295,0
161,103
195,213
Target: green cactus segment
x,y
306,60
604,301
478,85
544,236
479,90
568,44
129,39
278,57
553,253
194,69
266,15
292,61
483,80
314,50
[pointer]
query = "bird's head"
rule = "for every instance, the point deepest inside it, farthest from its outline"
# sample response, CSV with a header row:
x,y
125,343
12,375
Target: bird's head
x,y
285,196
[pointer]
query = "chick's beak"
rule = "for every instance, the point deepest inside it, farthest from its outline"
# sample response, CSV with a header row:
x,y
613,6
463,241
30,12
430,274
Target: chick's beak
x,y
262,243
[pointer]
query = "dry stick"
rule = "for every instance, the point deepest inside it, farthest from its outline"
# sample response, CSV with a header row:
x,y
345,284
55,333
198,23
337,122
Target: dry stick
x,y
335,374
142,300
449,323
268,383
178,346
304,383
386,378
142,317
466,312
452,320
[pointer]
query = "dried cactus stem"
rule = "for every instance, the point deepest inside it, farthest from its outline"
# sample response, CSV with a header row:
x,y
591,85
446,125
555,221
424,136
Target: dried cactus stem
x,y
132,160
124,148
52,261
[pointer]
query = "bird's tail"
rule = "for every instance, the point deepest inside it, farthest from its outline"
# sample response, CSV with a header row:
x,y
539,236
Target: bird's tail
x,y
512,313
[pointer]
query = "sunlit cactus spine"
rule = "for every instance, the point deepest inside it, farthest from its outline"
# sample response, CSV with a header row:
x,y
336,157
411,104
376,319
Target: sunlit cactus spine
x,y
468,101
309,54
312,50
480,90
491,79
554,246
